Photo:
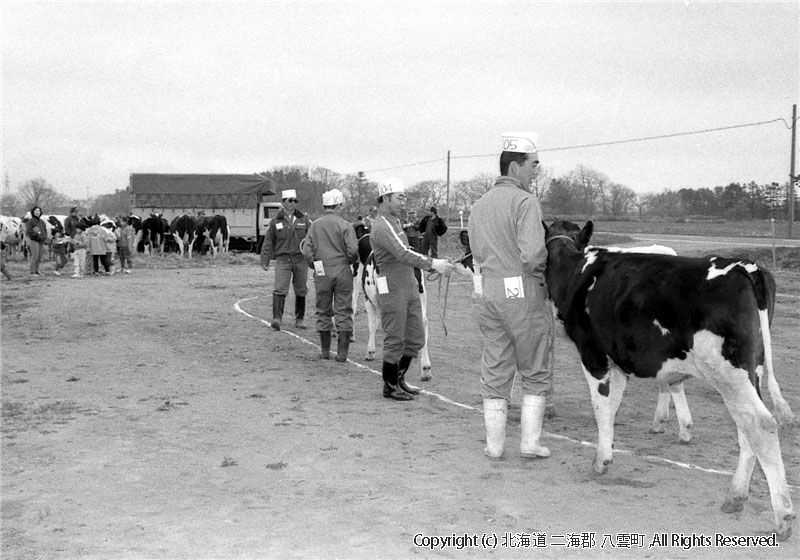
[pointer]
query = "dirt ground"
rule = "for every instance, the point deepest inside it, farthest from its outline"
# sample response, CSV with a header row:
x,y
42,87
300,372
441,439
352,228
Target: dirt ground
x,y
155,415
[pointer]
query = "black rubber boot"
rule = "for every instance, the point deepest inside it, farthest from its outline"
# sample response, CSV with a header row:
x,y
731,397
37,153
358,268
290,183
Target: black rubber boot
x,y
390,387
402,369
343,346
277,311
325,345
299,312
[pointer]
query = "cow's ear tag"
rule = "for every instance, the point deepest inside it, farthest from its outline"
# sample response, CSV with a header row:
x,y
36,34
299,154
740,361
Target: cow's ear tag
x,y
382,285
513,286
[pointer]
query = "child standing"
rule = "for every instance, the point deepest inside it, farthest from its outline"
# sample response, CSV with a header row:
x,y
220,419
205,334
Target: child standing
x,y
125,236
60,245
97,247
79,242
111,246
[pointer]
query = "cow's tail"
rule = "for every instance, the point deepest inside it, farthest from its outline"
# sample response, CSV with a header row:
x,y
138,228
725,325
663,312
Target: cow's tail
x,y
764,288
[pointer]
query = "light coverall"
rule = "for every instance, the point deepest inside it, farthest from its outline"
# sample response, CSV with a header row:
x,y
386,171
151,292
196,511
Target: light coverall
x,y
514,315
332,240
401,310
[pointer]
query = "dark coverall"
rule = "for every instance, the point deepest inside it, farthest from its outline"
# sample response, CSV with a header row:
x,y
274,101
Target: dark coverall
x,y
282,243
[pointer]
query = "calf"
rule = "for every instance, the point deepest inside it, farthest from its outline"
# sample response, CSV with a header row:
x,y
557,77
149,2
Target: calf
x,y
366,284
666,317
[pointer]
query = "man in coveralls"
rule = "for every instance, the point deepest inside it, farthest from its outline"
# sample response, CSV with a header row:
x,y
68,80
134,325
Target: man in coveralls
x,y
511,307
398,293
282,243
330,249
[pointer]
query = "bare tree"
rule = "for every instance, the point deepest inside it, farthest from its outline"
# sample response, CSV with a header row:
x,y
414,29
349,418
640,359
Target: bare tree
x,y
38,192
359,194
621,199
10,205
465,193
426,194
541,182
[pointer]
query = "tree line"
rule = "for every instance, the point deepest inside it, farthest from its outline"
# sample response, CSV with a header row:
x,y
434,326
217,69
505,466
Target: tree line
x,y
583,191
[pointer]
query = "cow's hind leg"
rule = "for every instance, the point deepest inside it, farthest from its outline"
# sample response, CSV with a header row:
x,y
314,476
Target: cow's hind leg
x,y
373,318
760,430
740,484
606,395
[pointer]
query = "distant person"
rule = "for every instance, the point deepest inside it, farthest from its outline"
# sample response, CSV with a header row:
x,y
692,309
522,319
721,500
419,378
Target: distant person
x,y
125,240
3,270
330,249
97,246
111,245
512,307
80,243
369,220
60,246
282,243
70,222
411,229
36,231
432,228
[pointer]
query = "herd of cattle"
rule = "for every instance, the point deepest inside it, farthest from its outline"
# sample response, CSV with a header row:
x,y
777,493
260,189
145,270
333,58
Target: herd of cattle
x,y
185,234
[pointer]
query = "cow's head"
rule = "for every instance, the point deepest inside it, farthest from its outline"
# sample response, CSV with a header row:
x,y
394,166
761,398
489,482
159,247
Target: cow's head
x,y
563,231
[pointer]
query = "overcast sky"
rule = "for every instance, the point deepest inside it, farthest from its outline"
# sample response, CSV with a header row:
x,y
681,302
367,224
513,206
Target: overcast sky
x,y
92,92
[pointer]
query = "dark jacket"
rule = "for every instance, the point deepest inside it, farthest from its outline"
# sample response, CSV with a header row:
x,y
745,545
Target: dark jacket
x,y
36,230
439,227
283,237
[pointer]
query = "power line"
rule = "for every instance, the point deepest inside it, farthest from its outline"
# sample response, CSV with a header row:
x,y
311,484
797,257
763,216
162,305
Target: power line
x,y
611,143
406,165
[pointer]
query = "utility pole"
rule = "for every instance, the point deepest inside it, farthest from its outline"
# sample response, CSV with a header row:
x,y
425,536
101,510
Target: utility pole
x,y
792,177
447,197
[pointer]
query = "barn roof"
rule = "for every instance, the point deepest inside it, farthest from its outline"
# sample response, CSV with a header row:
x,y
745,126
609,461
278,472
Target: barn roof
x,y
163,190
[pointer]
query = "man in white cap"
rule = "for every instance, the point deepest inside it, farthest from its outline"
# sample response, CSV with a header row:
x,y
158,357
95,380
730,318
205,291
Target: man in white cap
x,y
507,240
330,249
398,294
282,243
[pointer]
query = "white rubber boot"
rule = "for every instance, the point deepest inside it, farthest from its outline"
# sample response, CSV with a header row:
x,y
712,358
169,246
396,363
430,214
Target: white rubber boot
x,y
495,412
533,407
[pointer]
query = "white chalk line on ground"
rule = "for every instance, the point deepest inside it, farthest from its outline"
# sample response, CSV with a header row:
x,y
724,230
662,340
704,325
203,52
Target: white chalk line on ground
x,y
442,398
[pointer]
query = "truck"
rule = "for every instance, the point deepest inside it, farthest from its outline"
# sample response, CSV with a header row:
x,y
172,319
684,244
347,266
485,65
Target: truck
x,y
242,199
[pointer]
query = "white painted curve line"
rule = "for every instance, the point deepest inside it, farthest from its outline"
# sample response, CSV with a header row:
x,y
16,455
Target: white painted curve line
x,y
444,399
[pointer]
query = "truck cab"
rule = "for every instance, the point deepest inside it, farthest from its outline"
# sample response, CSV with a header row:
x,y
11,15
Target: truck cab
x,y
266,211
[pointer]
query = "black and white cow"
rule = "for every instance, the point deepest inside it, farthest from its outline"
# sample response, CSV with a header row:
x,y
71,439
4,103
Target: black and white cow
x,y
666,317
182,230
12,232
214,231
151,237
365,283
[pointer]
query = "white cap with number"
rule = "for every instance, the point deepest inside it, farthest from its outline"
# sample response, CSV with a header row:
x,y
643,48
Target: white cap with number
x,y
520,142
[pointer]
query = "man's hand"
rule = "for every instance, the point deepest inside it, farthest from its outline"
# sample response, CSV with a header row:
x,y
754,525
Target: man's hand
x,y
265,265
442,266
